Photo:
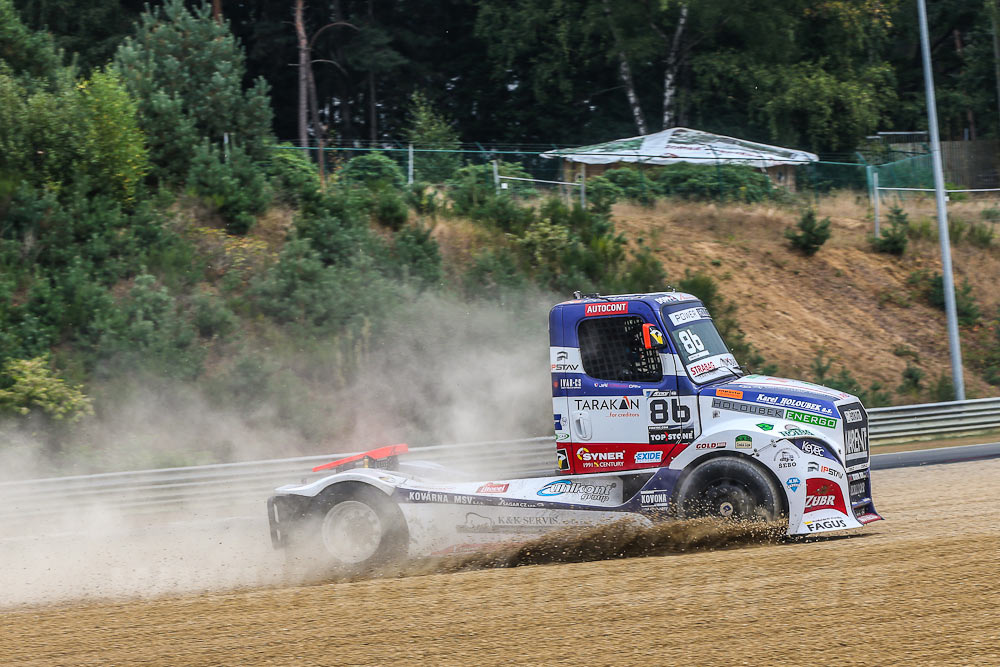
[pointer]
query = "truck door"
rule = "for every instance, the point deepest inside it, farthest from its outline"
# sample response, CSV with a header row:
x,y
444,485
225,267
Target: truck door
x,y
622,382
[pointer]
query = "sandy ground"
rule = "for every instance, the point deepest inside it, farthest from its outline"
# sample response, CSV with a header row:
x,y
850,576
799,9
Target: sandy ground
x,y
922,587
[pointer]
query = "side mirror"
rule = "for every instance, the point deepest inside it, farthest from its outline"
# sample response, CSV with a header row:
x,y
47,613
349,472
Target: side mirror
x,y
652,337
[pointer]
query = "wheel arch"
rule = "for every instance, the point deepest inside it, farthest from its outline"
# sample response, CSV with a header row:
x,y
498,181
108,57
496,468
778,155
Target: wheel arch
x,y
710,456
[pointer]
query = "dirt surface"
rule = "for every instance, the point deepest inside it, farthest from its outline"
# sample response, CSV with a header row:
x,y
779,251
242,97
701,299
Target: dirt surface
x,y
919,588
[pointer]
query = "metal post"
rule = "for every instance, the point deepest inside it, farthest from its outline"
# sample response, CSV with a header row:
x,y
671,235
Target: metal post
x,y
496,176
878,196
409,166
583,185
225,145
954,344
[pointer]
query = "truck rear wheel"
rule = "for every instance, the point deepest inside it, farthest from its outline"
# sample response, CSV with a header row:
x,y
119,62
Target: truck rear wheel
x,y
355,526
730,488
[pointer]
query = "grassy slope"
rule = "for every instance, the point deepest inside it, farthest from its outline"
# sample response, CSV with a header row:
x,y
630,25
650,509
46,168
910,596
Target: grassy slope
x,y
848,301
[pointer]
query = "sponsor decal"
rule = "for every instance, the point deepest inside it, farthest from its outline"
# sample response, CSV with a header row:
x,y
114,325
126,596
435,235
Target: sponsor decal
x,y
654,498
815,420
570,383
600,459
822,494
858,490
748,408
689,315
558,422
600,492
491,487
616,308
625,403
868,518
659,435
786,458
729,393
791,430
477,523
786,402
856,441
858,476
765,426
672,298
562,355
744,442
813,449
565,368
702,368
825,524
562,436
562,459
793,483
710,445
434,497
518,503
853,416
824,470
648,457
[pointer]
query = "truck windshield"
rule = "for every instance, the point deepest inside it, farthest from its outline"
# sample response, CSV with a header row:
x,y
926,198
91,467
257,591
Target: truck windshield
x,y
701,348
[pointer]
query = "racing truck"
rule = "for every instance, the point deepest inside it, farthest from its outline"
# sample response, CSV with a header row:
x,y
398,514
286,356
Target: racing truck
x,y
654,419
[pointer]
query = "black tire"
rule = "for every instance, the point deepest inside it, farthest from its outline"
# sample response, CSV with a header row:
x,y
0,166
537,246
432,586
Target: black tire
x,y
730,488
353,526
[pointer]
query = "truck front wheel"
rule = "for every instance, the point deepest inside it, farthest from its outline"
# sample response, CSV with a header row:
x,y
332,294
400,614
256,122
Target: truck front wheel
x,y
730,488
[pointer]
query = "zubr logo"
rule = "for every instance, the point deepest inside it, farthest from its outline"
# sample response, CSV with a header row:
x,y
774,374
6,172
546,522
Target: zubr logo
x,y
822,494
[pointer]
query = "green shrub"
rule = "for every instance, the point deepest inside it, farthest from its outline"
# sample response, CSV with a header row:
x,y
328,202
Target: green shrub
x,y
980,236
922,230
931,288
29,384
811,235
942,390
505,214
643,273
375,171
874,396
956,196
390,210
293,173
211,317
494,272
416,256
235,187
429,130
148,331
912,380
602,194
473,187
728,182
957,229
893,240
335,226
634,184
991,214
422,197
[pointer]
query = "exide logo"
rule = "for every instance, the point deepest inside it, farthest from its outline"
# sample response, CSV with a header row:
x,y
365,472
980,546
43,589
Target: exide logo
x,y
616,308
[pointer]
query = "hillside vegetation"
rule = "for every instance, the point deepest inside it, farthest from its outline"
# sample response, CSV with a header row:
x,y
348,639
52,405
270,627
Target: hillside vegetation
x,y
179,290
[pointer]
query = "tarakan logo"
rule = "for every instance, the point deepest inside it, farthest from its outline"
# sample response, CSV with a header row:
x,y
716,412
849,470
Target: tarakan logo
x,y
815,420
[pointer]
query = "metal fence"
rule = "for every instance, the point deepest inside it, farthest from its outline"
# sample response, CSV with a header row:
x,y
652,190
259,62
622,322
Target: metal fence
x,y
242,487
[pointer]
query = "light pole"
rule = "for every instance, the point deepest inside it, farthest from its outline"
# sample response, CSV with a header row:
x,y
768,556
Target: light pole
x,y
954,345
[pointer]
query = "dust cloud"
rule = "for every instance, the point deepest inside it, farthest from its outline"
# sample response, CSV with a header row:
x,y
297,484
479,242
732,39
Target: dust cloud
x,y
438,371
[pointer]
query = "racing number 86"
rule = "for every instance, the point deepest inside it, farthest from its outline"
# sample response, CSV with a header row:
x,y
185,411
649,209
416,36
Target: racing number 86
x,y
661,412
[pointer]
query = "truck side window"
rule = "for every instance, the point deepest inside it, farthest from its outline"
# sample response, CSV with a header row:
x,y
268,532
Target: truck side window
x,y
612,349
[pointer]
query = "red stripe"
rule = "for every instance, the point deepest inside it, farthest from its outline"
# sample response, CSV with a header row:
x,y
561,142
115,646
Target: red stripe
x,y
375,454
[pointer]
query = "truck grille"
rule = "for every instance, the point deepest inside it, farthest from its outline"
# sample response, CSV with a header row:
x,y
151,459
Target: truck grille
x,y
855,436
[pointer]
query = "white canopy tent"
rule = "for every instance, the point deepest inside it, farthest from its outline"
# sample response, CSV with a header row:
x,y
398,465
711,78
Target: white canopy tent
x,y
681,144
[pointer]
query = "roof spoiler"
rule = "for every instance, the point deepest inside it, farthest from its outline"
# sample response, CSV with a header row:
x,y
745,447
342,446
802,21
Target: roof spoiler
x,y
383,457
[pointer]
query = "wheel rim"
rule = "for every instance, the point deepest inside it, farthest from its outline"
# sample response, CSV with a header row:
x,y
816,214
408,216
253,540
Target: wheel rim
x,y
352,531
730,500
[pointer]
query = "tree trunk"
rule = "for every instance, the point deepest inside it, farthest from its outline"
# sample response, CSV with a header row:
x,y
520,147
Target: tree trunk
x,y
217,10
625,74
343,85
671,70
992,5
304,67
372,108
